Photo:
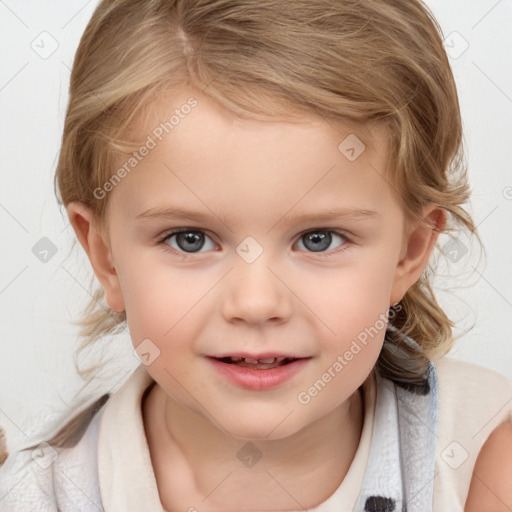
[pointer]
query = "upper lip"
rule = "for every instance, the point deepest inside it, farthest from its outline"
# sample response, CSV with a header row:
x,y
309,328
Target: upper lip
x,y
263,355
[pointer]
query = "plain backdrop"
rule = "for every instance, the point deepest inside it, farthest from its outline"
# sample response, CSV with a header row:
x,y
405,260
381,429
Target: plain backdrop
x,y
42,293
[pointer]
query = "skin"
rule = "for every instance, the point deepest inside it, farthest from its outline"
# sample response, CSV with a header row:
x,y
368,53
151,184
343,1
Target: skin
x,y
291,299
490,488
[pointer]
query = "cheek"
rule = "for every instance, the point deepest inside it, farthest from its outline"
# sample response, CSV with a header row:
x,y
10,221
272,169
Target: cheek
x,y
350,298
159,301
163,316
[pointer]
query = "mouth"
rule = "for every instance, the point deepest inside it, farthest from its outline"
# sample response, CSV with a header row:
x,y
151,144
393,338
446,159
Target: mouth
x,y
260,363
258,372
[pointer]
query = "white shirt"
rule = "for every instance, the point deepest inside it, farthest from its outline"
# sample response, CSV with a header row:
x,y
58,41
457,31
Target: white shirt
x,y
110,468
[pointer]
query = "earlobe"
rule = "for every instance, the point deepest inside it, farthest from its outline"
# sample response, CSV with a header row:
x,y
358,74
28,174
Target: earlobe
x,y
98,251
419,244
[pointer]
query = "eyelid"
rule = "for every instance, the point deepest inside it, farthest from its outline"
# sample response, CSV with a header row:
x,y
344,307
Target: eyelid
x,y
339,232
333,252
162,239
167,234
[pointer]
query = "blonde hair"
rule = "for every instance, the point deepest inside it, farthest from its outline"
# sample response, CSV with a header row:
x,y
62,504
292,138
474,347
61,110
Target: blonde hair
x,y
377,61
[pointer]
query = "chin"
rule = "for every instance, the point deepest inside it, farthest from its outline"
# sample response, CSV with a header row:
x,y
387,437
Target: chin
x,y
258,428
251,434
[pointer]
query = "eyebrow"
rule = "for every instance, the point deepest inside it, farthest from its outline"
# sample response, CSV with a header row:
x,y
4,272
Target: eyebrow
x,y
329,214
177,213
171,213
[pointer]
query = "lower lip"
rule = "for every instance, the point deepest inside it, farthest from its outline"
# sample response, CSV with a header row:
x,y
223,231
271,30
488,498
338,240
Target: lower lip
x,y
258,380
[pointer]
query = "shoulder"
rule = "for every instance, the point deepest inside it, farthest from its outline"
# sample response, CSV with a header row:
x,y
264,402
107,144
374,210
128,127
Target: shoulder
x,y
26,482
490,488
451,369
474,403
467,386
50,479
75,471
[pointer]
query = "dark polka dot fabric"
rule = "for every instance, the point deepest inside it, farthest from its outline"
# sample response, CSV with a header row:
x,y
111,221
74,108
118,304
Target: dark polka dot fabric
x,y
379,504
399,475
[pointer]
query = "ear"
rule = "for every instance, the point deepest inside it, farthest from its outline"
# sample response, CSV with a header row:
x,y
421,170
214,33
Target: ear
x,y
98,251
419,241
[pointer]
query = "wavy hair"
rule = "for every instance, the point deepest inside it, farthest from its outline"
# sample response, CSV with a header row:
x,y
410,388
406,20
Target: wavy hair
x,y
348,61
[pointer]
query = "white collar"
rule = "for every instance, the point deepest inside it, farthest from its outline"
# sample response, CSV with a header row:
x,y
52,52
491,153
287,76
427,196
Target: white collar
x,y
126,477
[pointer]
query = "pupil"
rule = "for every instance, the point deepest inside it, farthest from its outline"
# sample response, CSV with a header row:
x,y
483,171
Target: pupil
x,y
320,240
190,241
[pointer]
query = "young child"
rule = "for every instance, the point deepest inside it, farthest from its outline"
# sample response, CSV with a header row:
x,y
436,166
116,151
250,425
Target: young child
x,y
293,358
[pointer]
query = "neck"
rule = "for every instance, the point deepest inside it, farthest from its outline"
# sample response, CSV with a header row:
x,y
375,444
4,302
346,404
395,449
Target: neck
x,y
193,459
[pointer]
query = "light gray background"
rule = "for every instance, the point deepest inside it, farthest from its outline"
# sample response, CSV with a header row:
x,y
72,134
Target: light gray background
x,y
39,300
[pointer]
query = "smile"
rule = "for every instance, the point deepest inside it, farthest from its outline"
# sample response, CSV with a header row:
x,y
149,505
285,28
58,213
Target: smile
x,y
260,373
258,364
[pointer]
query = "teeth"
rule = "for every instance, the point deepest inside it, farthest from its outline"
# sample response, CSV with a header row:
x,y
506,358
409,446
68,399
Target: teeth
x,y
267,360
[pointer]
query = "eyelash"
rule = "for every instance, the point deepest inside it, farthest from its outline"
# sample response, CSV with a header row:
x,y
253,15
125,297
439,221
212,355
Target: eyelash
x,y
322,254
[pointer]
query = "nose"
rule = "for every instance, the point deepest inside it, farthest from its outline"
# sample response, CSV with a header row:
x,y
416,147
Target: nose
x,y
255,293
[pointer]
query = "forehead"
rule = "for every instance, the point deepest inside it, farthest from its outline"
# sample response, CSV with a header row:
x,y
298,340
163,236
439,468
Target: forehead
x,y
172,107
207,154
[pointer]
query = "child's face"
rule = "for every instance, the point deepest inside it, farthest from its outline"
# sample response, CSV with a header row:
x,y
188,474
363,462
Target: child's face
x,y
252,283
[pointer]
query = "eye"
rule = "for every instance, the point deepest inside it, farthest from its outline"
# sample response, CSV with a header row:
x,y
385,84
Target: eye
x,y
190,241
320,240
187,240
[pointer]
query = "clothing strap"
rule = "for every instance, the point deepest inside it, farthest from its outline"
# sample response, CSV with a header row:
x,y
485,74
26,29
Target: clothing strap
x,y
399,476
